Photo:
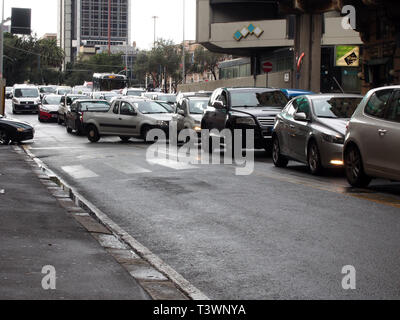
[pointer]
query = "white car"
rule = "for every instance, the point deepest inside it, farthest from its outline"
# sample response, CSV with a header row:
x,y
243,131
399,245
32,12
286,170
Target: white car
x,y
133,92
26,98
372,140
189,113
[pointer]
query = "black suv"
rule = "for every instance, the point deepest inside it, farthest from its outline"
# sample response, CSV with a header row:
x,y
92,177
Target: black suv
x,y
245,108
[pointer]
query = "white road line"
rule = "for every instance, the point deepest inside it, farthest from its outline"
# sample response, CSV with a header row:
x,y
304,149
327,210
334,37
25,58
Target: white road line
x,y
79,172
56,148
171,164
125,167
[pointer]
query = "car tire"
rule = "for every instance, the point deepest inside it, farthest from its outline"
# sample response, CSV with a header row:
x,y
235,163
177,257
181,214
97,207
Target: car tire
x,y
69,130
354,168
93,134
125,139
4,139
144,132
314,159
280,161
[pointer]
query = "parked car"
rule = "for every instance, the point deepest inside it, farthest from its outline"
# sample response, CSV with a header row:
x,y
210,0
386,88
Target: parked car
x,y
167,106
26,98
189,113
293,93
133,92
166,97
127,117
64,106
44,90
63,90
15,131
48,110
245,109
82,90
372,141
9,92
74,118
311,130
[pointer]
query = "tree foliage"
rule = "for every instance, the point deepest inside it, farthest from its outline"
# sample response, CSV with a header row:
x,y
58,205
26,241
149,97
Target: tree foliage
x,y
28,59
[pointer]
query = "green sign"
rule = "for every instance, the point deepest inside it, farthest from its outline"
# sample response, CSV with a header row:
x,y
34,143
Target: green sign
x,y
347,56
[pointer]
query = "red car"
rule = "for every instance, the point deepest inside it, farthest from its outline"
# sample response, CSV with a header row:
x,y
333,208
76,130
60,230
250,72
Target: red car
x,y
48,110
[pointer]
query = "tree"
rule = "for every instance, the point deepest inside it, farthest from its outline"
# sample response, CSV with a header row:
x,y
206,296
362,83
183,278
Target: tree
x,y
206,61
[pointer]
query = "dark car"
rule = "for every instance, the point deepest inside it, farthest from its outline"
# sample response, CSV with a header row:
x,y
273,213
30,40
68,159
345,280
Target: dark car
x,y
74,119
14,131
245,109
65,104
311,129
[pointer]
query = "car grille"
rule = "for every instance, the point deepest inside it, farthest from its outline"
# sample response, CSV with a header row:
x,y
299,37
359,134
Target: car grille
x,y
266,121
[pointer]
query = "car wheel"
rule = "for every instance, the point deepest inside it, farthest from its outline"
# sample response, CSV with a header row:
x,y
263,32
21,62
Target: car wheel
x,y
280,161
355,169
69,130
125,139
93,134
314,159
4,139
145,132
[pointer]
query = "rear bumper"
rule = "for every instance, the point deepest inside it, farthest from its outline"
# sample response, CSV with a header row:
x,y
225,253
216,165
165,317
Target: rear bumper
x,y
48,116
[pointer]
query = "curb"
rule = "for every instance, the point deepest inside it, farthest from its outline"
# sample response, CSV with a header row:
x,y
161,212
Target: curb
x,y
158,264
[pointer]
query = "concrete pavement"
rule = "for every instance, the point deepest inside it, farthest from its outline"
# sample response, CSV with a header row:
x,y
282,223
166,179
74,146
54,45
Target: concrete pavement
x,y
36,231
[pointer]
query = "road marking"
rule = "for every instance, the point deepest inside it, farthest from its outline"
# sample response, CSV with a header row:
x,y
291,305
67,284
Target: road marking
x,y
126,167
79,172
171,164
56,148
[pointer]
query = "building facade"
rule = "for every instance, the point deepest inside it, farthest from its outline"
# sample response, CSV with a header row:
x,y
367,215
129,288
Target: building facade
x,y
266,32
86,23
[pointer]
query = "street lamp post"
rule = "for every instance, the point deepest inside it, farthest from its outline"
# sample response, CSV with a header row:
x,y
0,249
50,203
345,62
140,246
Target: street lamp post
x,y
155,22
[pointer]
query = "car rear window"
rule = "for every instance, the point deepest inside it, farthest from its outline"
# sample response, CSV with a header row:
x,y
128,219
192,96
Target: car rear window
x,y
94,106
335,107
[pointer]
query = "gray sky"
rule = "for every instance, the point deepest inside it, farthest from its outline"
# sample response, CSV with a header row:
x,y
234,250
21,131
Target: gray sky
x,y
169,24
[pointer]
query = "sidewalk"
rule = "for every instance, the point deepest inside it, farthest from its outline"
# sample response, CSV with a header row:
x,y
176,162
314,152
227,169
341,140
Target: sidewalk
x,y
39,227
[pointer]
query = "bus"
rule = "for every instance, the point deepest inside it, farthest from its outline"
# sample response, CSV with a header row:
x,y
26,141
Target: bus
x,y
109,82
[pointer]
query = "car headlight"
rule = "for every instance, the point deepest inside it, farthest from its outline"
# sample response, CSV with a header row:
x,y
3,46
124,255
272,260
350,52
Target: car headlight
x,y
333,138
247,121
197,128
44,109
20,129
162,123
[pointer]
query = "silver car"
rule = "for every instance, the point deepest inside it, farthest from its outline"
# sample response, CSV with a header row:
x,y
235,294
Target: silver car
x,y
311,129
189,113
373,138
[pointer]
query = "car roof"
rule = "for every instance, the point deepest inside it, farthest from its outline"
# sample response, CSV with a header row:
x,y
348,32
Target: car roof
x,y
331,95
251,89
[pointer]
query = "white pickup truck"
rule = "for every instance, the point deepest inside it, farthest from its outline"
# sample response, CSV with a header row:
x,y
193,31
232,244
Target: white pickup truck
x,y
127,118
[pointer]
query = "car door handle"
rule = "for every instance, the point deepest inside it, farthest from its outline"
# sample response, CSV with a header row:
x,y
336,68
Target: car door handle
x,y
382,132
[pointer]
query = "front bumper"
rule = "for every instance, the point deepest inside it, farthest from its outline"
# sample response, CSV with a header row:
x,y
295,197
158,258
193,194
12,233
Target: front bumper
x,y
23,136
25,107
331,155
262,136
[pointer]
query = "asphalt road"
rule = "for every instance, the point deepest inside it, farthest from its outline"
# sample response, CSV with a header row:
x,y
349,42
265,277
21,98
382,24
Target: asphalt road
x,y
275,234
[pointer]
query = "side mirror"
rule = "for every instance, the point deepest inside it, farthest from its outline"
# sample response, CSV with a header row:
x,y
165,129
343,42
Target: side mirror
x,y
181,113
301,116
218,105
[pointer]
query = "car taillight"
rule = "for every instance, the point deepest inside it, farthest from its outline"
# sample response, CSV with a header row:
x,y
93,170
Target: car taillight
x,y
81,116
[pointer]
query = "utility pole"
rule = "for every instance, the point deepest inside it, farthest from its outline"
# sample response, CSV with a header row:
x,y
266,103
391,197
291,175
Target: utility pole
x,y
155,22
2,40
183,47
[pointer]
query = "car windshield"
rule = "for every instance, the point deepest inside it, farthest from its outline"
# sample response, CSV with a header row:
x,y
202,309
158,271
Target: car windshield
x,y
339,107
47,90
26,93
167,106
198,106
64,91
134,93
52,100
94,106
259,99
150,107
169,99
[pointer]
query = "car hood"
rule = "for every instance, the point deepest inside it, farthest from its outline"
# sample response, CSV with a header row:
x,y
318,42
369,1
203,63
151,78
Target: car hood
x,y
51,107
337,125
14,122
256,111
161,116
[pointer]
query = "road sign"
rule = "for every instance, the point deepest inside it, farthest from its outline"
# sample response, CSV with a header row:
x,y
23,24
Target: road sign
x,y
267,67
21,21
